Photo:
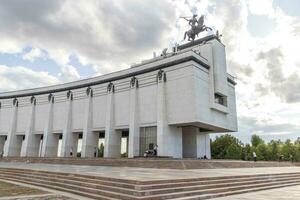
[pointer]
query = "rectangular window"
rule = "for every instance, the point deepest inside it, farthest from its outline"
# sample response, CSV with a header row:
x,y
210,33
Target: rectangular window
x,y
220,99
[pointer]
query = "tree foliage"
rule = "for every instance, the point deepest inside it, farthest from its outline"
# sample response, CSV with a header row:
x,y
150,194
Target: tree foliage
x,y
229,147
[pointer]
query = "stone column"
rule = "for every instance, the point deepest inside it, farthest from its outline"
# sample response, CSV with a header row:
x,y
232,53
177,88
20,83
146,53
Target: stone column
x,y
112,143
134,129
12,146
169,138
69,140
196,144
30,146
89,138
203,145
2,144
50,140
2,138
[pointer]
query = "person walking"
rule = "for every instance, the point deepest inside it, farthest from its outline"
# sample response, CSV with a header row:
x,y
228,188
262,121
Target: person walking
x,y
155,150
254,156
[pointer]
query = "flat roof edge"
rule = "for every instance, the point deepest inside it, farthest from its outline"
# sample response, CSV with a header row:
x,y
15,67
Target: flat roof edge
x,y
90,82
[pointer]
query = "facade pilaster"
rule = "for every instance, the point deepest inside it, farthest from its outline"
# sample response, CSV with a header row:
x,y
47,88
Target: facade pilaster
x,y
31,143
50,140
169,138
69,141
134,129
112,143
89,138
12,148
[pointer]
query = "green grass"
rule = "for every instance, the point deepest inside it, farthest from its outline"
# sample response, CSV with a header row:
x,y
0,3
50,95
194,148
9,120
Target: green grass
x,y
8,189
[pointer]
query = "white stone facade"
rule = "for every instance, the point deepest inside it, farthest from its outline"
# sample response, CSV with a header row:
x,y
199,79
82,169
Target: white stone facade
x,y
177,99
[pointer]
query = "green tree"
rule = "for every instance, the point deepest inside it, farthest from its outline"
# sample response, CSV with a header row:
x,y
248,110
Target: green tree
x,y
262,152
233,151
274,148
256,140
226,147
247,152
288,150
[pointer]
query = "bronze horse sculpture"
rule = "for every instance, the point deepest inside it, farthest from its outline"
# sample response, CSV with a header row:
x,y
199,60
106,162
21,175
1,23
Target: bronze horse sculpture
x,y
194,31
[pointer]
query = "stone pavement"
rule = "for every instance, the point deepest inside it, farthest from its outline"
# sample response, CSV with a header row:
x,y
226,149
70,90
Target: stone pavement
x,y
286,193
38,197
144,174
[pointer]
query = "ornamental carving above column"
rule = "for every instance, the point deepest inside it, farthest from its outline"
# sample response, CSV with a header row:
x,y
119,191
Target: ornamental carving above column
x,y
70,95
50,98
161,75
15,102
89,92
33,100
134,82
110,87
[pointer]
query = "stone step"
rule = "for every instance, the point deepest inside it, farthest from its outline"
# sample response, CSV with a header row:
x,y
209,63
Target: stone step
x,y
66,180
144,192
224,194
157,186
173,184
211,186
63,186
222,191
213,178
77,177
132,183
169,195
80,193
103,178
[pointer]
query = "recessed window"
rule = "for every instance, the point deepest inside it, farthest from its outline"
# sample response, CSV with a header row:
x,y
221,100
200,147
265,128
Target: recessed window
x,y
220,99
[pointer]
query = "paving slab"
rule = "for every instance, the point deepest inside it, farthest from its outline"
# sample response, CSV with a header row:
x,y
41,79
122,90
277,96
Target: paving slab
x,y
285,193
147,174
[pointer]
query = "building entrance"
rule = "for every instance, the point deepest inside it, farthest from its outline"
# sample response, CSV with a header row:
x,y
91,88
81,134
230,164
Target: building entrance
x,y
148,138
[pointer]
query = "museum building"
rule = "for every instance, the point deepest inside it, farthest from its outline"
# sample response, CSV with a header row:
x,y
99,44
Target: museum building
x,y
174,101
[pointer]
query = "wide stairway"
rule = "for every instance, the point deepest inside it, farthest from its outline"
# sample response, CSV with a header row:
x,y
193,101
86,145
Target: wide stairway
x,y
96,187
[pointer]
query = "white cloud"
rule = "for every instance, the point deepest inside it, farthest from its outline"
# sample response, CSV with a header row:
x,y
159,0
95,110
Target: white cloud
x,y
68,73
19,77
99,32
261,7
34,54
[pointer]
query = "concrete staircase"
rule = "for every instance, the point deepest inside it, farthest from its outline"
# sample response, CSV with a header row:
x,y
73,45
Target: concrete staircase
x,y
112,188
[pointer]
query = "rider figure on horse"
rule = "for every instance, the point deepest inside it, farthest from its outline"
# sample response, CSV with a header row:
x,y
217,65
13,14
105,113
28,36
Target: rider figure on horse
x,y
197,26
192,22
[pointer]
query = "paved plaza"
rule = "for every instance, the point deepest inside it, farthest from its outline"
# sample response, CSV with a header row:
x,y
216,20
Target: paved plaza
x,y
145,174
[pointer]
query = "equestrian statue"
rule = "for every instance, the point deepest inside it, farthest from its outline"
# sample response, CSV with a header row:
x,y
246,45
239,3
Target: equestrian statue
x,y
197,26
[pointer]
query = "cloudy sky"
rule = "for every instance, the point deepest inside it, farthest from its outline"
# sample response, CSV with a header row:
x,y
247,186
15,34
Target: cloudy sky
x,y
50,42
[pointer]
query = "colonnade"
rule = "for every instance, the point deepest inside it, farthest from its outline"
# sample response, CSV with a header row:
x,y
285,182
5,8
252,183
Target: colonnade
x,y
169,139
